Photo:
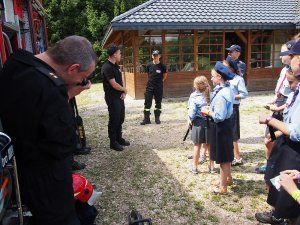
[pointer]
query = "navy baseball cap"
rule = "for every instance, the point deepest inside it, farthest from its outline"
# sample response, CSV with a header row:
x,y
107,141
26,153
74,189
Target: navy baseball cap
x,y
155,52
224,71
234,48
232,63
290,45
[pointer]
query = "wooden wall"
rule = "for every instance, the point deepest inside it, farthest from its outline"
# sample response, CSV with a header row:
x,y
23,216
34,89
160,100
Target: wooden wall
x,y
128,79
180,84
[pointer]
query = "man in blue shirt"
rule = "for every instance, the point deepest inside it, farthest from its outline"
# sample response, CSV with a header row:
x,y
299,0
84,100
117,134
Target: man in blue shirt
x,y
235,52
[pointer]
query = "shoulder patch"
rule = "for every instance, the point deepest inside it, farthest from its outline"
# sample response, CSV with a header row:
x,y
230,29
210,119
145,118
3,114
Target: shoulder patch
x,y
48,73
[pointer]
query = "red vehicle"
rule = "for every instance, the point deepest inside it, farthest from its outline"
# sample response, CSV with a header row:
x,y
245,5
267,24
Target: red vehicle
x,y
22,26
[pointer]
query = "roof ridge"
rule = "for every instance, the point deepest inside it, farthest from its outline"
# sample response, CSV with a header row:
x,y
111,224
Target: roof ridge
x,y
135,9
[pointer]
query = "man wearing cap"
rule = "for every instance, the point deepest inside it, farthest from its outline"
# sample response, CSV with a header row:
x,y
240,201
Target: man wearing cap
x,y
157,74
115,94
235,52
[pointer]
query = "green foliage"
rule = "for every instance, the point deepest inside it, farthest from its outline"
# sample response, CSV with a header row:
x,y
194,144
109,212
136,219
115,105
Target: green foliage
x,y
88,18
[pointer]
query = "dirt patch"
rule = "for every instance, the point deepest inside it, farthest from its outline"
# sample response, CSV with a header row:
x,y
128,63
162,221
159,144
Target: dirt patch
x,y
152,175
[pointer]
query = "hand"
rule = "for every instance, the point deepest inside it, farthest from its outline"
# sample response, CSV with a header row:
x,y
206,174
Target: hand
x,y
205,110
273,108
74,90
263,119
123,96
287,182
189,124
268,139
125,90
295,174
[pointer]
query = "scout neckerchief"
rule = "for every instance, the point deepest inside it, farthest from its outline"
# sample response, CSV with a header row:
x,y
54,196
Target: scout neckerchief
x,y
294,96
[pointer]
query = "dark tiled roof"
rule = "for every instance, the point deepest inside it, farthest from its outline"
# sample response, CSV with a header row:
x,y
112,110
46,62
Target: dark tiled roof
x,y
209,14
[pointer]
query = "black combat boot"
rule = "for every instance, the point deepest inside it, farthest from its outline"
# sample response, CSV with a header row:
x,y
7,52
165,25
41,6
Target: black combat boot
x,y
116,146
157,115
146,119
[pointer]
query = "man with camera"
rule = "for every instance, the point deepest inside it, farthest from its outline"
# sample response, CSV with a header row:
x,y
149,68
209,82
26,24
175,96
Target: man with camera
x,y
35,112
115,94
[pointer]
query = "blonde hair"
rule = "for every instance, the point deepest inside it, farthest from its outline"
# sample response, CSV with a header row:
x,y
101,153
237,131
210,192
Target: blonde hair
x,y
201,84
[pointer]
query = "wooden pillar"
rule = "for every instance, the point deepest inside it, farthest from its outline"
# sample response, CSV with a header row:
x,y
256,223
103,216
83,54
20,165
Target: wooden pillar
x,y
273,48
195,51
135,52
165,58
248,56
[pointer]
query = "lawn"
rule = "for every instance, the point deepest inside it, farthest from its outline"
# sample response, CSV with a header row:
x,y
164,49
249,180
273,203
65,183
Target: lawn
x,y
152,175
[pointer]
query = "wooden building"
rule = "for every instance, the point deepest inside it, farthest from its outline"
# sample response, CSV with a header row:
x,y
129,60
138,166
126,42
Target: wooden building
x,y
193,34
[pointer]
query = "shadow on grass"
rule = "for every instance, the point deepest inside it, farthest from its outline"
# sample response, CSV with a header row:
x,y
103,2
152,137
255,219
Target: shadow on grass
x,y
252,140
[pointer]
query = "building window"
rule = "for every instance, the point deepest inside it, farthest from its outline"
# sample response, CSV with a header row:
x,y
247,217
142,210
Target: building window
x,y
262,46
128,60
280,39
180,50
210,49
148,41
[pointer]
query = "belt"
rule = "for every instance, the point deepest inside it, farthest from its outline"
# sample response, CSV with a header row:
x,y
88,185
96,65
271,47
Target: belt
x,y
236,105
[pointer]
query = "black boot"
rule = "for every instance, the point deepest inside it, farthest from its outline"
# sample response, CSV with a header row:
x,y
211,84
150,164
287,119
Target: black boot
x,y
82,151
157,115
123,142
77,165
116,146
146,119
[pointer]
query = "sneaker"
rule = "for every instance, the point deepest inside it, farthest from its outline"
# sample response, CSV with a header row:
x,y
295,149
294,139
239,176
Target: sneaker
x,y
261,170
268,218
202,159
195,170
82,151
237,162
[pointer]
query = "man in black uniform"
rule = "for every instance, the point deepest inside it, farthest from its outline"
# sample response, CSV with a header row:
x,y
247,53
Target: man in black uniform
x,y
157,74
115,94
35,113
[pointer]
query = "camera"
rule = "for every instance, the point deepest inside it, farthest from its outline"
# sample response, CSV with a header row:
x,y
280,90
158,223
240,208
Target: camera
x,y
90,77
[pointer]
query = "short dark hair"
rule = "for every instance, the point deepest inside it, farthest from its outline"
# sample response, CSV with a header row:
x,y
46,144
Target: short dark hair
x,y
73,50
113,49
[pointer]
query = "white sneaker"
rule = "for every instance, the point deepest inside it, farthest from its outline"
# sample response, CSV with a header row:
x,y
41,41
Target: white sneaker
x,y
202,159
237,162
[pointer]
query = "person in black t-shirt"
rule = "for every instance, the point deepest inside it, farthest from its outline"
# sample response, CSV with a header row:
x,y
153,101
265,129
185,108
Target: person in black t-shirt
x,y
115,94
157,74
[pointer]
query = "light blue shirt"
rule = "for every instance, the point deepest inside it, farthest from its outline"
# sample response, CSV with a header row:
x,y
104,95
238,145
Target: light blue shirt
x,y
221,104
238,87
195,103
286,109
293,118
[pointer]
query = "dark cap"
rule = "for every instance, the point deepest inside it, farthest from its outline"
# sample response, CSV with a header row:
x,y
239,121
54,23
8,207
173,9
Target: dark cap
x,y
234,48
224,71
289,45
113,49
155,52
232,63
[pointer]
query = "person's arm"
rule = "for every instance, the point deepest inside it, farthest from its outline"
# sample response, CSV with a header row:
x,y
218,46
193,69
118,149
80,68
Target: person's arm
x,y
77,89
288,183
279,125
117,86
242,90
165,76
275,108
220,111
